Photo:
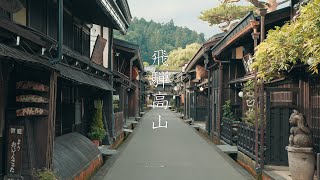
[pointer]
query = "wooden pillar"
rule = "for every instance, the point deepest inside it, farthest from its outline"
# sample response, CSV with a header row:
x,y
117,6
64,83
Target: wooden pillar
x,y
262,13
51,118
137,99
107,120
3,101
255,37
220,95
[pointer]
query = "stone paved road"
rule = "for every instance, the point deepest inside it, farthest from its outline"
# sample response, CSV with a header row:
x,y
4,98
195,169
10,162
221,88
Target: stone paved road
x,y
175,153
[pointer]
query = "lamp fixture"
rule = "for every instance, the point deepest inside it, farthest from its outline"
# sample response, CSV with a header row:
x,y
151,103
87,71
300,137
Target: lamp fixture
x,y
240,94
310,61
43,50
18,41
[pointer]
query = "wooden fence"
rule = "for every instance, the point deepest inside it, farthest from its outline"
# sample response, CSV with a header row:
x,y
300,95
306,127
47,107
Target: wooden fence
x,y
246,139
118,123
229,131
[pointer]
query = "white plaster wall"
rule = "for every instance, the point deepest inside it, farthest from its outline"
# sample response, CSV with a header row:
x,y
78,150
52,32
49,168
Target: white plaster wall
x,y
106,49
94,32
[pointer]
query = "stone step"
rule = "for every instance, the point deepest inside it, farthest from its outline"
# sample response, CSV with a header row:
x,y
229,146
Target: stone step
x,y
228,149
127,130
105,151
132,122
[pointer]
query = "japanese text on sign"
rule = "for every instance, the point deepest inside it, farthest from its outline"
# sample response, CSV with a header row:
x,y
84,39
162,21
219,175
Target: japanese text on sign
x,y
15,151
160,55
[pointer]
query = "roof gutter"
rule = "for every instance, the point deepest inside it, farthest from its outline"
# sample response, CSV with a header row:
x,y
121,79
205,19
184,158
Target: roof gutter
x,y
116,15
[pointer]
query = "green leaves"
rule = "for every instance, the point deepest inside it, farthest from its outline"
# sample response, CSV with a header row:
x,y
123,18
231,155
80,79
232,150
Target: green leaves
x,y
292,44
97,131
227,111
151,36
178,57
225,13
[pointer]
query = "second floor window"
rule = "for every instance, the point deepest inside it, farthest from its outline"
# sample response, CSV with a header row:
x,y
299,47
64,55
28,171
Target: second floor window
x,y
20,16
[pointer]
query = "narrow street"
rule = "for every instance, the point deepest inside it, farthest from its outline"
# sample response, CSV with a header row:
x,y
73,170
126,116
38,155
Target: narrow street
x,y
177,153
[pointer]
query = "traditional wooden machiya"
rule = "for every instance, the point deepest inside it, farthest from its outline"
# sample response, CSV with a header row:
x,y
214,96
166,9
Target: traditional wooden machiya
x,y
230,78
50,96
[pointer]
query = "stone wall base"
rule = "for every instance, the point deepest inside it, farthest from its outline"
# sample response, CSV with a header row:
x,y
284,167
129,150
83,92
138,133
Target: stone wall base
x,y
119,140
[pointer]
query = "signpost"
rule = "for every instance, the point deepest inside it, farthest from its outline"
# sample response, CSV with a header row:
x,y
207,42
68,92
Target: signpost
x,y
14,157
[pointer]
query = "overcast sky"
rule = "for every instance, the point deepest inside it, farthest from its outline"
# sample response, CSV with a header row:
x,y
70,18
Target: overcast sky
x,y
183,12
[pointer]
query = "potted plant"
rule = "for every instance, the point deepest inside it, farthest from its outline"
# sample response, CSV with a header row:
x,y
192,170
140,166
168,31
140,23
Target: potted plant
x,y
97,131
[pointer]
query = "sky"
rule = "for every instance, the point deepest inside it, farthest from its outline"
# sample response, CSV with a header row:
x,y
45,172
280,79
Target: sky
x,y
184,13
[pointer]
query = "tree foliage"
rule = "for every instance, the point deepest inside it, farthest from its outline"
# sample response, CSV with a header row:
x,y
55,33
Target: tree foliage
x,y
270,5
151,36
145,64
178,57
297,42
225,13
227,110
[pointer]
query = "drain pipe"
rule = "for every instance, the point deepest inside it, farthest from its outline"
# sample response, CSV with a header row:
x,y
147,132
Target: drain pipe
x,y
60,34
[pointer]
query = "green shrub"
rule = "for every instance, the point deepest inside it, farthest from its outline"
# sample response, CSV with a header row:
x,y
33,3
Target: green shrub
x,y
227,111
43,174
181,109
97,131
249,116
172,103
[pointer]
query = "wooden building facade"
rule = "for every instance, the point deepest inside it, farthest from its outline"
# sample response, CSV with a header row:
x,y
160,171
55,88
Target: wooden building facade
x,y
53,67
196,82
228,70
128,80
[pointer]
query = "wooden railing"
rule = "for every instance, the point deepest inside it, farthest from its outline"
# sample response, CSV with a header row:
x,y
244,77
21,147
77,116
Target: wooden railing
x,y
246,140
229,131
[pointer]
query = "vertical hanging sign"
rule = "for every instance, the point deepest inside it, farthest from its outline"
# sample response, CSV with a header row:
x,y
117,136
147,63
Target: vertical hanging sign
x,y
14,157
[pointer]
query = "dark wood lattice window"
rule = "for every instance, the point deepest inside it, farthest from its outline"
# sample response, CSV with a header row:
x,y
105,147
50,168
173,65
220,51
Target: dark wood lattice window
x,y
86,41
68,30
38,15
77,37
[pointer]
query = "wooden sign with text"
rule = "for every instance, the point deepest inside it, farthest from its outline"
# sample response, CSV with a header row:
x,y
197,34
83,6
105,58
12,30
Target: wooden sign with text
x,y
14,157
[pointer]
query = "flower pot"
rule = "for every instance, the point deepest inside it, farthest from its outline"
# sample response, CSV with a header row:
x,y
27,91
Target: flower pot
x,y
96,142
301,163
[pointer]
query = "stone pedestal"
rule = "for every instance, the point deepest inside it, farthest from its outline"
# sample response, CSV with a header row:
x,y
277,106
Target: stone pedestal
x,y
301,163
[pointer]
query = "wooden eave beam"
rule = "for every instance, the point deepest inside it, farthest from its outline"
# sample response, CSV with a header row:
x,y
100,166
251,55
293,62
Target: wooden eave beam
x,y
277,17
11,27
125,49
233,39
